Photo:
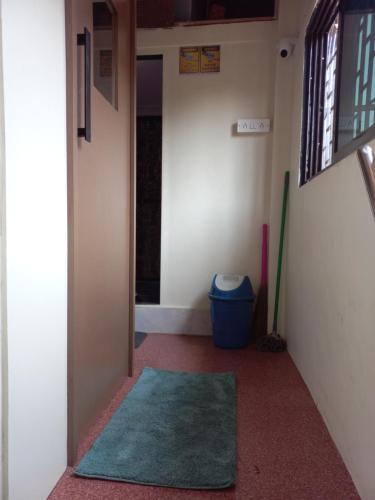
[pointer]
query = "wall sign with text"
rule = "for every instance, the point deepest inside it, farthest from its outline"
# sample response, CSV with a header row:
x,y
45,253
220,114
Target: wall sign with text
x,y
200,59
190,59
210,59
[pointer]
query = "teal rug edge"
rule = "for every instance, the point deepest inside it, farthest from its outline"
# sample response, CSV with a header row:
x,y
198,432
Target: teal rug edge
x,y
230,477
176,486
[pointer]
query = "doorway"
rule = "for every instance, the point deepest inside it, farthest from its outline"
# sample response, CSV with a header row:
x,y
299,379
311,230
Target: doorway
x,y
149,178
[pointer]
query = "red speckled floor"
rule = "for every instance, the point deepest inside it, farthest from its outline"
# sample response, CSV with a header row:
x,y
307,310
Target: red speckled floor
x,y
284,449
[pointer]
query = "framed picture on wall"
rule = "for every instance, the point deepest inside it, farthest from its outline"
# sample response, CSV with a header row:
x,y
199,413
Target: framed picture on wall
x,y
189,59
210,59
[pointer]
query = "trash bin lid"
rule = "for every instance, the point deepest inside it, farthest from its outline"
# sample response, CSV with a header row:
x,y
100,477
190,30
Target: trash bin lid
x,y
232,287
228,282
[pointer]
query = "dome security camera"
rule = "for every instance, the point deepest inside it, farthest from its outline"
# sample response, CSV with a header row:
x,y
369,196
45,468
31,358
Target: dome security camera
x,y
285,48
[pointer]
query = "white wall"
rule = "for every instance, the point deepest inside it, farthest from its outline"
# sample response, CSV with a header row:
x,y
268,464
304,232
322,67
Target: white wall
x,y
285,69
3,349
330,303
35,139
215,186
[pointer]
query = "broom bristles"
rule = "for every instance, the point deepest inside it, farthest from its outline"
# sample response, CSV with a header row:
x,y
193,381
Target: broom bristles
x,y
271,343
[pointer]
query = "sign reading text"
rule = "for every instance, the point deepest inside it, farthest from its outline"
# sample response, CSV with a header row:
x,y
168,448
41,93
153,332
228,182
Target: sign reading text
x,y
200,59
189,59
210,59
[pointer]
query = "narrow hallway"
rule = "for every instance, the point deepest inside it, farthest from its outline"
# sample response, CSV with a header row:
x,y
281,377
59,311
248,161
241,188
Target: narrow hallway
x,y
283,447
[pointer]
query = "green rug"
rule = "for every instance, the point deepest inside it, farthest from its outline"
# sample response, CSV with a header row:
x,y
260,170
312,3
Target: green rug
x,y
173,429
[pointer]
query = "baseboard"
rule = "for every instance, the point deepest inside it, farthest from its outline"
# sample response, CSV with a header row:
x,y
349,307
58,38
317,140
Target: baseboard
x,y
172,320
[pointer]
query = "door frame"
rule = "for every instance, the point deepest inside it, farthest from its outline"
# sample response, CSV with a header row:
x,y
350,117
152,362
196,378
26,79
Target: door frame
x,y
3,301
159,56
133,180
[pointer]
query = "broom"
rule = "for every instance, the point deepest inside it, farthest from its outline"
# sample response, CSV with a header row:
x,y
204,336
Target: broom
x,y
273,342
261,306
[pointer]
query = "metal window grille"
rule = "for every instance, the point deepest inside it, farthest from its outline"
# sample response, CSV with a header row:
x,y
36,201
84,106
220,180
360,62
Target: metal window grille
x,y
329,93
340,35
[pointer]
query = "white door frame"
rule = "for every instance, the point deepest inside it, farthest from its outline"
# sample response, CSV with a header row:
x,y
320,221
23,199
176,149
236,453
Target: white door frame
x,y
3,329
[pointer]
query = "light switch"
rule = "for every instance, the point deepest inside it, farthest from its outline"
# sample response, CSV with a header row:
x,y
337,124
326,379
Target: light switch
x,y
253,125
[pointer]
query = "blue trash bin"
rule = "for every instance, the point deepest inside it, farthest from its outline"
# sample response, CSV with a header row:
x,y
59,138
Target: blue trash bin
x,y
232,299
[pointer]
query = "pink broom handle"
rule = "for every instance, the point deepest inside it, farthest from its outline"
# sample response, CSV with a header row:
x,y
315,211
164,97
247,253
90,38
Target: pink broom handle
x,y
264,274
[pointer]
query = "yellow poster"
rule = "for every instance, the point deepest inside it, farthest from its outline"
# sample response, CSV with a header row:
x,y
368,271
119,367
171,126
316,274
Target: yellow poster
x,y
189,59
210,59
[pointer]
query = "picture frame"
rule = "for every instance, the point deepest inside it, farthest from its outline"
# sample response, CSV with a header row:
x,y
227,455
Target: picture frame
x,y
190,60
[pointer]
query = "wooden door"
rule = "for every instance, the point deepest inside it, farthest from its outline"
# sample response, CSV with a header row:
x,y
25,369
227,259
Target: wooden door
x,y
100,187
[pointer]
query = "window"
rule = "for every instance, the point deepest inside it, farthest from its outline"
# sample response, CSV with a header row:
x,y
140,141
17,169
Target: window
x,y
168,13
339,89
105,44
215,10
